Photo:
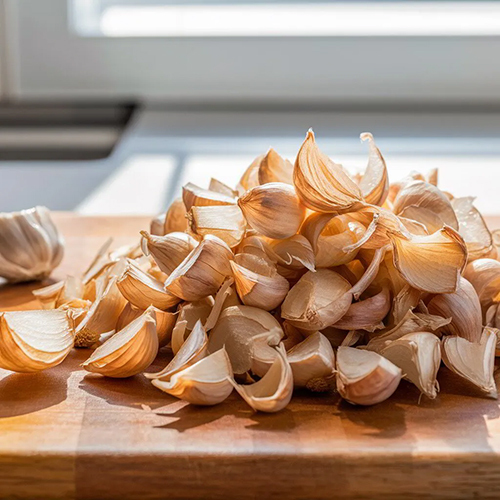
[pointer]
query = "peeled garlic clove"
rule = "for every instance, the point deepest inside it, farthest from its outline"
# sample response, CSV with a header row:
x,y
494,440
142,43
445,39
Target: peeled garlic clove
x,y
168,251
250,177
431,263
260,286
30,245
129,352
207,382
321,184
419,357
273,210
484,276
199,197
294,253
366,314
474,361
224,221
142,290
273,168
203,271
274,390
464,309
102,316
374,184
220,187
31,341
365,377
191,351
312,359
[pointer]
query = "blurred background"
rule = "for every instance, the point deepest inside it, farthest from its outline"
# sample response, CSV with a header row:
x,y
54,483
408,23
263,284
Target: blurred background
x,y
109,106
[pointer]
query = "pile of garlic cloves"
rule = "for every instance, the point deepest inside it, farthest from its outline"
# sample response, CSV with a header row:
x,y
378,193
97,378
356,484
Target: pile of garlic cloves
x,y
302,276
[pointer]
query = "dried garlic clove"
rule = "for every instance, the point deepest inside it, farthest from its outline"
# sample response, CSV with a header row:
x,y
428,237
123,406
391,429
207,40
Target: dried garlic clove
x,y
273,210
311,360
250,177
374,184
207,382
431,263
365,377
168,251
464,309
257,285
224,221
199,197
293,253
484,276
31,341
474,361
191,351
129,352
142,290
203,271
274,390
321,184
220,187
30,245
273,168
419,357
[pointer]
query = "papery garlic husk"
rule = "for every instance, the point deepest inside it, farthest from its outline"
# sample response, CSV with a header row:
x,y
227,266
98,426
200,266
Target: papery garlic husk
x,y
192,350
472,228
225,297
193,195
168,251
259,246
58,294
474,361
203,271
48,295
273,210
165,322
366,314
293,335
321,184
395,187
250,177
484,276
374,184
129,352
273,168
423,195
206,383
174,219
224,221
312,359
432,176
142,290
258,283
293,253
220,187
274,390
464,309
431,263
31,341
365,377
30,245
419,357
102,315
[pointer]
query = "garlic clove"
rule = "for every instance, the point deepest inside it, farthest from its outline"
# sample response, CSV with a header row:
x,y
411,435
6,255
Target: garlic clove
x,y
274,390
474,361
220,187
273,210
193,195
173,220
129,352
463,307
374,184
365,377
31,341
419,357
311,360
321,184
273,168
191,351
224,221
168,251
206,383
484,276
203,271
250,177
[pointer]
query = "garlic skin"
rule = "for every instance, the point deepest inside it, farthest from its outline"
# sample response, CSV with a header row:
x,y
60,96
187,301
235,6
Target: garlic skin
x,y
250,177
30,245
174,219
220,187
31,341
484,276
273,168
364,377
193,195
205,383
128,352
273,210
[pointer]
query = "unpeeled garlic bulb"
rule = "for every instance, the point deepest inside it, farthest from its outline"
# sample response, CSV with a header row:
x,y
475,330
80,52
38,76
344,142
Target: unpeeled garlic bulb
x,y
30,245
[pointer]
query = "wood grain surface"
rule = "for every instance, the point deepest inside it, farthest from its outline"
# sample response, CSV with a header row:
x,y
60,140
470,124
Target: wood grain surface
x,y
68,434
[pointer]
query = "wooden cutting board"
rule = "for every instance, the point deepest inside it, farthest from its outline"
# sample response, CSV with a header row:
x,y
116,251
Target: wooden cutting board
x,y
66,433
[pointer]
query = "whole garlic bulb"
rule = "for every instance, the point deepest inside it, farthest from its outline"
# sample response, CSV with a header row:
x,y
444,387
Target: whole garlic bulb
x,y
30,245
